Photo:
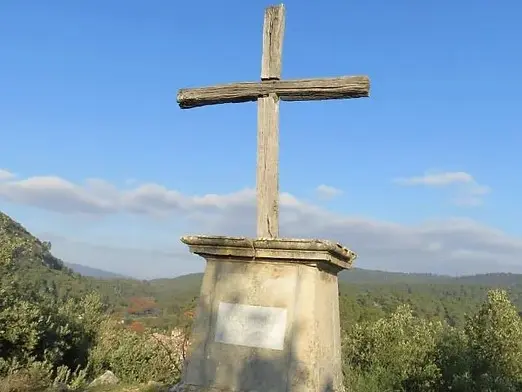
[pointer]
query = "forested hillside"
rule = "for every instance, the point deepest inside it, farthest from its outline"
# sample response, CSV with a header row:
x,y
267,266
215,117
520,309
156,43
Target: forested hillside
x,y
366,294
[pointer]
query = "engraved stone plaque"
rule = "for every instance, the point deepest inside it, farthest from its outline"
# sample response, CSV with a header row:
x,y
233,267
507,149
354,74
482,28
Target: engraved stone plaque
x,y
252,326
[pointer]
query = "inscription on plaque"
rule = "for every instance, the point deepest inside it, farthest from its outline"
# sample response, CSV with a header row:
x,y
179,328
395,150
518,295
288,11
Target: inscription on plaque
x,y
252,326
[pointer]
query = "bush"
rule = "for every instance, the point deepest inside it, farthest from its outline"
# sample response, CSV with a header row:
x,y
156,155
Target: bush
x,y
76,341
405,353
395,353
46,331
134,356
43,341
495,345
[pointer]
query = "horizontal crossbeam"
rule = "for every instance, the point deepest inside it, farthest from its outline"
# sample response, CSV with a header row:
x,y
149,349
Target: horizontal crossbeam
x,y
286,90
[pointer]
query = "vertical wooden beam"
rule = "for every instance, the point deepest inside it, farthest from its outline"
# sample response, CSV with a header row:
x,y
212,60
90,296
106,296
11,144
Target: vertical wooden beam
x,y
273,32
268,127
268,167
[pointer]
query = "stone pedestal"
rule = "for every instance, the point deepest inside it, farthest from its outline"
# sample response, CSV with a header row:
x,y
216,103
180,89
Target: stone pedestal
x,y
268,316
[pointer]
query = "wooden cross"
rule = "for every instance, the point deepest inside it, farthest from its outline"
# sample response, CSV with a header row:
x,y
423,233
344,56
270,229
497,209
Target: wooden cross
x,y
267,93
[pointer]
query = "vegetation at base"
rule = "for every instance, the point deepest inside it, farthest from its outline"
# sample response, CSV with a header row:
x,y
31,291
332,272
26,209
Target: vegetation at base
x,y
402,352
55,329
401,332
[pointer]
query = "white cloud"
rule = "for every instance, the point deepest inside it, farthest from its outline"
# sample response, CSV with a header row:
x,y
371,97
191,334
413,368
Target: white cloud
x,y
472,195
6,175
97,196
454,246
468,191
437,179
327,192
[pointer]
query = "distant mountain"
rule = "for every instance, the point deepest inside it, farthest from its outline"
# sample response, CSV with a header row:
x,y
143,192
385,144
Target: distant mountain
x,y
355,275
492,279
94,272
364,276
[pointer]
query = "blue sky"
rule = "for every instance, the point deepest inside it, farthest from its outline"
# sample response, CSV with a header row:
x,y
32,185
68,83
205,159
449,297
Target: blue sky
x,y
89,89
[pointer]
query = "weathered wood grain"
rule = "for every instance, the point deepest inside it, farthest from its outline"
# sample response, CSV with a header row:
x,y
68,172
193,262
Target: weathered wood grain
x,y
268,126
273,32
268,167
287,90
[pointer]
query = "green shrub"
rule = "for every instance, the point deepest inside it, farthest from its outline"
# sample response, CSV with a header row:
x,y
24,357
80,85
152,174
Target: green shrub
x,y
395,353
134,356
495,345
46,331
405,353
31,377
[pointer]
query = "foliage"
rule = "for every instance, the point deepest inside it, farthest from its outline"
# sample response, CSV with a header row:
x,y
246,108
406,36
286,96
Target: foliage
x,y
402,352
34,376
134,357
73,341
48,336
396,352
495,349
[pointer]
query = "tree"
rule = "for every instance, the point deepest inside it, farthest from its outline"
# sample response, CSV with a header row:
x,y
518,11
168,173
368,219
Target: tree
x,y
395,353
47,246
495,345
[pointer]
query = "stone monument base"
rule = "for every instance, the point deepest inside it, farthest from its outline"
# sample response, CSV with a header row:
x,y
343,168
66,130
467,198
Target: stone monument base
x,y
268,316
